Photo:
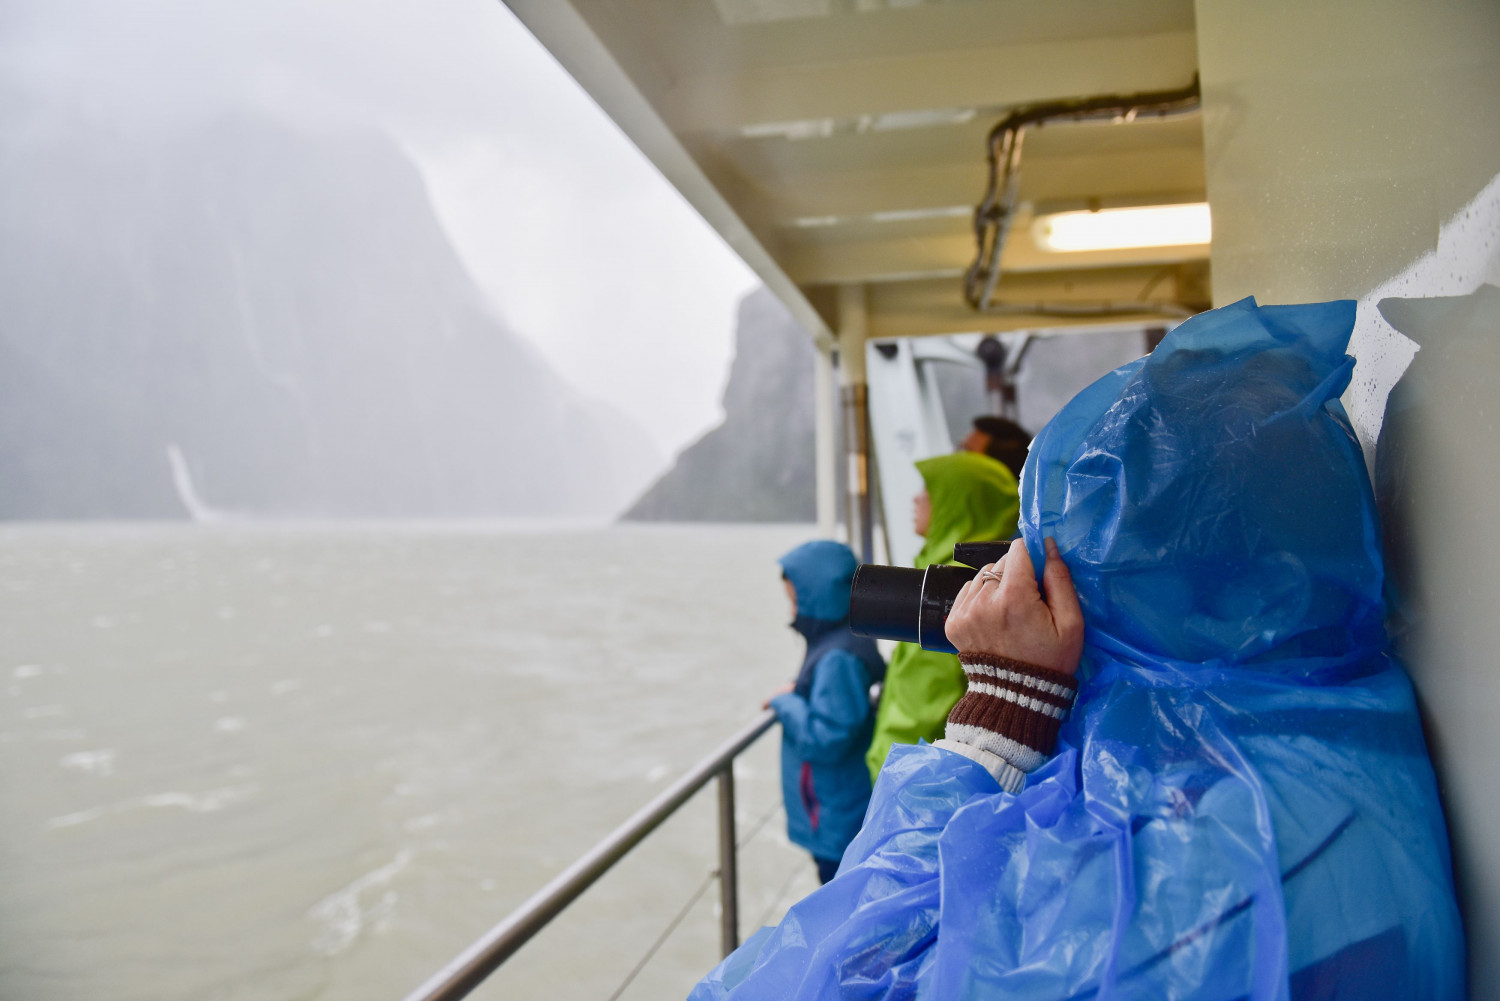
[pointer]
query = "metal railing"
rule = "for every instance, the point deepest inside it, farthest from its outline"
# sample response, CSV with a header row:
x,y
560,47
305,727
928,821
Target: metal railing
x,y
469,968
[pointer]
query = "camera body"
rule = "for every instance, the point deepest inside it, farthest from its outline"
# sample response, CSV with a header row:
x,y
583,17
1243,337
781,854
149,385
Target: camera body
x,y
912,606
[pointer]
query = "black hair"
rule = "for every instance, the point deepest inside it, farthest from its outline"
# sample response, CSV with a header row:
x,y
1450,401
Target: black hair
x,y
1008,441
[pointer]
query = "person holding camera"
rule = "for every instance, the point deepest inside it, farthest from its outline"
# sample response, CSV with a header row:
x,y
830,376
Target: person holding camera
x,y
969,497
1188,763
825,715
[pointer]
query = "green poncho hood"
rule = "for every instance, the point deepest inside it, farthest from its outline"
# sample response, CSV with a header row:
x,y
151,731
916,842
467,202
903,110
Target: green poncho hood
x,y
974,499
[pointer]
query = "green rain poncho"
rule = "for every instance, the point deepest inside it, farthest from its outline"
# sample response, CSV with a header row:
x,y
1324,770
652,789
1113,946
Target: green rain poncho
x,y
973,500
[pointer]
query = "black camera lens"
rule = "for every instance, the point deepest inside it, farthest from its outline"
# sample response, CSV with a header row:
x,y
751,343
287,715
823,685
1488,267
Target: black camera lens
x,y
912,606
885,602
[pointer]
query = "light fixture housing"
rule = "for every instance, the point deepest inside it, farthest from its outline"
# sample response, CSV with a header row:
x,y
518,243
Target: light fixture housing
x,y
1179,225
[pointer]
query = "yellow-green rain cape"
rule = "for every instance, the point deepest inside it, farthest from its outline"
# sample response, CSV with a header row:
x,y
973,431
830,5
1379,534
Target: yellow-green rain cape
x,y
974,499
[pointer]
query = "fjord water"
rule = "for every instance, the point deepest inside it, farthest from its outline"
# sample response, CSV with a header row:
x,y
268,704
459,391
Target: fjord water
x,y
315,761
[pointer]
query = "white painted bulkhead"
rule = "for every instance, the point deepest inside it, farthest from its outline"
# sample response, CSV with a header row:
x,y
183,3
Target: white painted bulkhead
x,y
1352,151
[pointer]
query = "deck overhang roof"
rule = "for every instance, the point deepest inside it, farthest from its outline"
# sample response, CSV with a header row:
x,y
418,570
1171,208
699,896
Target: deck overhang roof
x,y
842,142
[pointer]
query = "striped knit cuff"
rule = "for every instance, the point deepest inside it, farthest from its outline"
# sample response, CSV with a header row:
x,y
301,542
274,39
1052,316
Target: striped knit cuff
x,y
1011,710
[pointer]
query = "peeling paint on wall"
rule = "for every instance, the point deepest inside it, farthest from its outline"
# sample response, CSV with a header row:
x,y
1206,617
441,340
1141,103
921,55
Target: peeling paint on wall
x,y
1467,256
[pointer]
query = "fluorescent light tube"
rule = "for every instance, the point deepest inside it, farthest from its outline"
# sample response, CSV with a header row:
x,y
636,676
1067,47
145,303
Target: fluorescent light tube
x,y
1119,229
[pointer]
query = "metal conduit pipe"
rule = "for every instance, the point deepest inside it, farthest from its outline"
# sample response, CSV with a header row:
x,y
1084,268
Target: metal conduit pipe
x,y
992,217
469,968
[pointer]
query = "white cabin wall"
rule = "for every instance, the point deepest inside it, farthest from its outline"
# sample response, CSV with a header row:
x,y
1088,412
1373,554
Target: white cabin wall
x,y
1353,151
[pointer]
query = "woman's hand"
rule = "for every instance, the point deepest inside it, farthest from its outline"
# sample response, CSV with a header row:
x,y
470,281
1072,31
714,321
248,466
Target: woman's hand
x,y
1010,618
789,686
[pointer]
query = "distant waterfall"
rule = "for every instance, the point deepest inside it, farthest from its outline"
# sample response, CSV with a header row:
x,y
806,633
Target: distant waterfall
x,y
182,480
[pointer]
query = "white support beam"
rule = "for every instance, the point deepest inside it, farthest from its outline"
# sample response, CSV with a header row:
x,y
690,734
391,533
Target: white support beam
x,y
936,306
1170,173
825,406
988,77
897,257
853,331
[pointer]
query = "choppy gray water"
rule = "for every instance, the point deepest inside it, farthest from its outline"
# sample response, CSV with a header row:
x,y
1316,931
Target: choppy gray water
x,y
315,762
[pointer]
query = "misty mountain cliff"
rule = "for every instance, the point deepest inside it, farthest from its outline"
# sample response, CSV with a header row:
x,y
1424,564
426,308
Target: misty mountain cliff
x,y
278,315
758,465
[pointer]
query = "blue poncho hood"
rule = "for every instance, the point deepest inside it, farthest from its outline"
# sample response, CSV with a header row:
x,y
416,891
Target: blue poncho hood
x,y
821,572
1212,499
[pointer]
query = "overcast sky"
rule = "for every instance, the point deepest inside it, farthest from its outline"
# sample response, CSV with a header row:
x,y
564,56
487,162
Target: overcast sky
x,y
581,245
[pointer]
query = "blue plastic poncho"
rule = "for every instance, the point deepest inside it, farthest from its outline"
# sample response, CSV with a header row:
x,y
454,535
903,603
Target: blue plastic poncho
x,y
1241,805
826,719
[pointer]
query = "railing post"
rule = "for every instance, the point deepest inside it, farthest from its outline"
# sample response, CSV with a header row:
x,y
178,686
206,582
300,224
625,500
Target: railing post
x,y
729,884
853,329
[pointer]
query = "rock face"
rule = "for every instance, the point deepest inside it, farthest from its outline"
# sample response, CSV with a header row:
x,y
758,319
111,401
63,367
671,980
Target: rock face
x,y
246,318
758,464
